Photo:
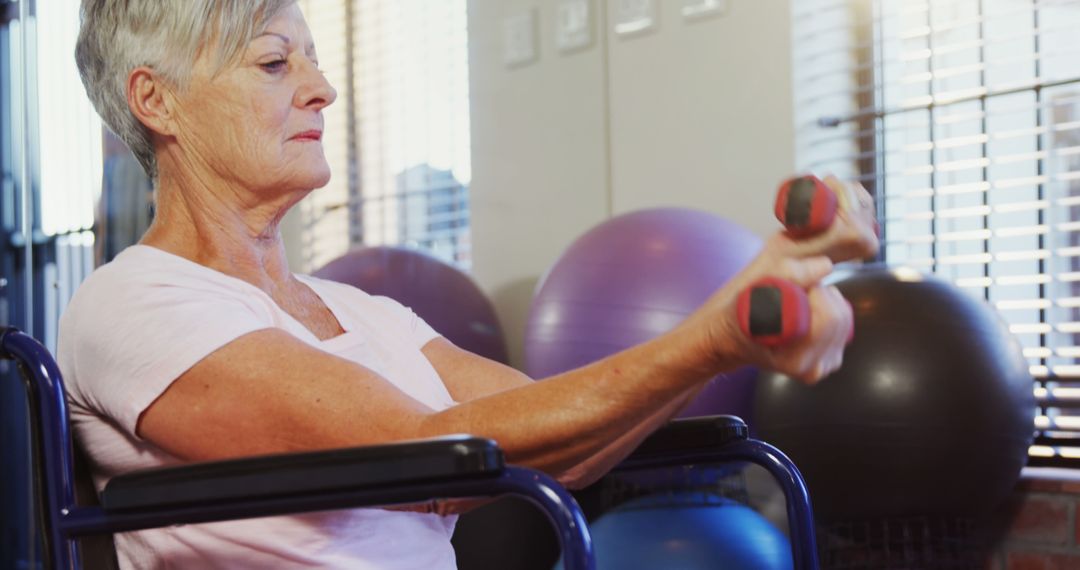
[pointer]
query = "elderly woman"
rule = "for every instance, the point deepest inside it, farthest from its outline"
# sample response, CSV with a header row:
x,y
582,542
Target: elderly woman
x,y
199,343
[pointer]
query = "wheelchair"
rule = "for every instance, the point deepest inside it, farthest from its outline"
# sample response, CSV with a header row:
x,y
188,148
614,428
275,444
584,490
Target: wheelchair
x,y
453,466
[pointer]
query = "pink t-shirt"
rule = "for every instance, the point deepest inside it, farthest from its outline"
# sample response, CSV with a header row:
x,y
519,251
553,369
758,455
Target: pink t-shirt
x,y
142,320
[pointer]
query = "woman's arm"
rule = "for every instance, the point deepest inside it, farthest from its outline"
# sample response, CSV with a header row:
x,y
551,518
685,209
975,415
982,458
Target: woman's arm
x,y
269,392
469,376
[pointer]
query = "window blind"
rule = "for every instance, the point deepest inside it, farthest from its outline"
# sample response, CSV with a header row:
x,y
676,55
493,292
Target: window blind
x,y
400,153
325,233
963,117
52,166
69,169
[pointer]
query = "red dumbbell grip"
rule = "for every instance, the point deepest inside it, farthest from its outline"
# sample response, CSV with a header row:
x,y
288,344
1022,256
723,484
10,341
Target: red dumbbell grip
x,y
805,205
773,311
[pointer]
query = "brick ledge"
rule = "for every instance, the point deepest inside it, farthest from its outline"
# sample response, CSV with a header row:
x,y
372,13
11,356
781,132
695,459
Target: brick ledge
x,y
1049,480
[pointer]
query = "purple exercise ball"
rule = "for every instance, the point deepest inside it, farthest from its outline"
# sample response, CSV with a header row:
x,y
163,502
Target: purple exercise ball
x,y
631,279
441,294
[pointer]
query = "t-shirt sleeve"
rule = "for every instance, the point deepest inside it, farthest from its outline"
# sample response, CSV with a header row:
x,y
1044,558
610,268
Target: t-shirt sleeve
x,y
418,330
126,347
387,311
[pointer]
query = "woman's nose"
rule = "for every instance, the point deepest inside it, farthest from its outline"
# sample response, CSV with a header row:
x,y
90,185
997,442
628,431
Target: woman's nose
x,y
315,92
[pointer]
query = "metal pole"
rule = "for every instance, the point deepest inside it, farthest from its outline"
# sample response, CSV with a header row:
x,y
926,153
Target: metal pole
x,y
22,116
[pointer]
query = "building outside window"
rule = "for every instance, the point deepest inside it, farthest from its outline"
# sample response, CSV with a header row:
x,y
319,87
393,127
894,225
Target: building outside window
x,y
398,136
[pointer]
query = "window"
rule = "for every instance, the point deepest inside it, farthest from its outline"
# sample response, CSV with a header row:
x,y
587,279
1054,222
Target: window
x,y
50,161
398,137
963,116
68,172
17,546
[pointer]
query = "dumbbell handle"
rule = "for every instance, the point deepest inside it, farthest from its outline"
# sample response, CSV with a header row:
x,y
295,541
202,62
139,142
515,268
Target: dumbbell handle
x,y
775,311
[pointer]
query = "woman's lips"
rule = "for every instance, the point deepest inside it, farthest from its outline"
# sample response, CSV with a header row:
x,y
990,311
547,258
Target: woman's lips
x,y
312,135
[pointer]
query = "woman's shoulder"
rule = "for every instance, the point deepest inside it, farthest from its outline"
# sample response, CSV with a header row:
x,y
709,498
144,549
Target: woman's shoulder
x,y
126,273
139,264
142,274
147,297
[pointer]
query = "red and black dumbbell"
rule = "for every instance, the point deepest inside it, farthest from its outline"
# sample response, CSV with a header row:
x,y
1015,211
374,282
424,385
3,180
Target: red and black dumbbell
x,y
773,311
805,205
776,311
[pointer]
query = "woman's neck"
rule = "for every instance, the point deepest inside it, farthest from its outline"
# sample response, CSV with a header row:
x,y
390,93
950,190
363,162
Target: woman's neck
x,y
222,227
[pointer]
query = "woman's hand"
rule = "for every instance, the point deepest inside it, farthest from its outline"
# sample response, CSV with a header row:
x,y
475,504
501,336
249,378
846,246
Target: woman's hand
x,y
853,233
821,351
804,262
724,345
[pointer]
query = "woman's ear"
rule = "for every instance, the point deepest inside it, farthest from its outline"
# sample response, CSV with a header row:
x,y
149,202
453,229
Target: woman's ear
x,y
150,101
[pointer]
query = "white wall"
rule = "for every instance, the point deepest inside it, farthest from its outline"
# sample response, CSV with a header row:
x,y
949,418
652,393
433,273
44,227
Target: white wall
x,y
695,114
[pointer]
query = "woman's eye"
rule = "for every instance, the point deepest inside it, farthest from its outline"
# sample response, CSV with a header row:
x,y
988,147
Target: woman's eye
x,y
273,66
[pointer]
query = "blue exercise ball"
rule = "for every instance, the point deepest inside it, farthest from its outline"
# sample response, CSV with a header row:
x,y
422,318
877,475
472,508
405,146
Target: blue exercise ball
x,y
687,531
631,279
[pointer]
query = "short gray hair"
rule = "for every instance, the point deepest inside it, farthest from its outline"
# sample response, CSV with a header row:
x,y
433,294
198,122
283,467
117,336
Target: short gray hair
x,y
165,35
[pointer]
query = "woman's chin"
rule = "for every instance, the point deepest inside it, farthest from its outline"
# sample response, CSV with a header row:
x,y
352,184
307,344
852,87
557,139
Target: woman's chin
x,y
313,177
320,180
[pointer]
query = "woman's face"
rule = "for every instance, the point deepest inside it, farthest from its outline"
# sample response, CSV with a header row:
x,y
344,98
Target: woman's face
x,y
258,123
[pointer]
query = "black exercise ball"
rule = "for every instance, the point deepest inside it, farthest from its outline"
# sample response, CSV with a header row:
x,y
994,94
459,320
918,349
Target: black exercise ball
x,y
931,414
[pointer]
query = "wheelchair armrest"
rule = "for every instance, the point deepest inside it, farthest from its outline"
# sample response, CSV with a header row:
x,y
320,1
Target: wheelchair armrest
x,y
685,436
298,474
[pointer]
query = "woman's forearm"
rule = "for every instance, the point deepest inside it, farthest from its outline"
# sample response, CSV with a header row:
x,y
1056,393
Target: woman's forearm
x,y
569,420
597,465
590,416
